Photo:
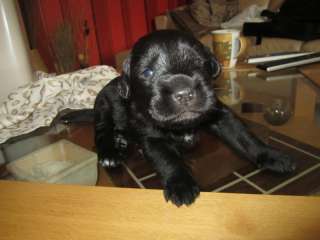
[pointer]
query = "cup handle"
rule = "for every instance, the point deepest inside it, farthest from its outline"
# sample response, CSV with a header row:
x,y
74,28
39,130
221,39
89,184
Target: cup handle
x,y
243,43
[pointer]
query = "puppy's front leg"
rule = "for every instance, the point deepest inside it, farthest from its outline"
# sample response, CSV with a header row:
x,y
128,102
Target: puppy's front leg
x,y
232,131
110,126
179,185
111,144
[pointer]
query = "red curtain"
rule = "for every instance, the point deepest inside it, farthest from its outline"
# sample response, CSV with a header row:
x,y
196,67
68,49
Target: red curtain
x,y
113,25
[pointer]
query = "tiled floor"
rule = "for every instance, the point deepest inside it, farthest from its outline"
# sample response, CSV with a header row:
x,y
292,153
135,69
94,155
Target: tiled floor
x,y
217,168
245,179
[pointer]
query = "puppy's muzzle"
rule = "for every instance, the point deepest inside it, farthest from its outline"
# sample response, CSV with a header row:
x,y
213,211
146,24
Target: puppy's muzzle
x,y
185,97
183,90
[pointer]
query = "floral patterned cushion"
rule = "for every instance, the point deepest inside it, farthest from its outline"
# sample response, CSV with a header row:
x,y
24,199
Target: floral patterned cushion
x,y
36,104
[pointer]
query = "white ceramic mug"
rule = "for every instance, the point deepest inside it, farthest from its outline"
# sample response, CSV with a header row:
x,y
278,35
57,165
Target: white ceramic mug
x,y
227,45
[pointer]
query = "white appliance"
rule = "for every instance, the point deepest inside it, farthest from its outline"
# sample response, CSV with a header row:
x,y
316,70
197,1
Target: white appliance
x,y
15,65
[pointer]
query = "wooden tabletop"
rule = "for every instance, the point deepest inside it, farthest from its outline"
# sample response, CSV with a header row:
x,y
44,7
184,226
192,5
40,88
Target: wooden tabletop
x,y
41,211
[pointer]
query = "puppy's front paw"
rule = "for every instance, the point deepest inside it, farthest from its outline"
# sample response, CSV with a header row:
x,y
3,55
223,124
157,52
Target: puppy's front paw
x,y
181,189
276,161
109,162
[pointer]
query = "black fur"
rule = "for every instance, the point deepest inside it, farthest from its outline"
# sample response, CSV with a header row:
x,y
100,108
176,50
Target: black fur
x,y
161,101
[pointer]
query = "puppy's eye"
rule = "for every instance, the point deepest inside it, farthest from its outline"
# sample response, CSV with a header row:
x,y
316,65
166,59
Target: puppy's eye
x,y
147,72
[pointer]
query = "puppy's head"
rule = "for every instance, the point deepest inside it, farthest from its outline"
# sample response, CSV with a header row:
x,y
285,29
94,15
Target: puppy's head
x,y
169,76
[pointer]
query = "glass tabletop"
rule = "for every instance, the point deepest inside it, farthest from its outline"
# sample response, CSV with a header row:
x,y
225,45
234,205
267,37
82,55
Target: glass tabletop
x,y
284,111
284,102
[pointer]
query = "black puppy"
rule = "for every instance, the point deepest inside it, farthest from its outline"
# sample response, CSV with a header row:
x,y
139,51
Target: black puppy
x,y
161,101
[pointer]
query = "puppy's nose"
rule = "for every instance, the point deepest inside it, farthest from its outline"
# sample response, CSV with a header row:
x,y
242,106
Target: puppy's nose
x,y
184,96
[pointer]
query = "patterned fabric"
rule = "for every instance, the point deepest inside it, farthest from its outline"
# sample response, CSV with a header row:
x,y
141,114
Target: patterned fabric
x,y
36,104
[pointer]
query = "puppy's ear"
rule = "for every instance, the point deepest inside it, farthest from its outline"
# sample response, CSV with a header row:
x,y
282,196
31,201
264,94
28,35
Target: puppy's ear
x,y
212,64
215,67
123,86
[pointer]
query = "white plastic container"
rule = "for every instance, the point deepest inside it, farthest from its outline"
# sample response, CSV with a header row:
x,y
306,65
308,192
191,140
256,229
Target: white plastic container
x,y
60,162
